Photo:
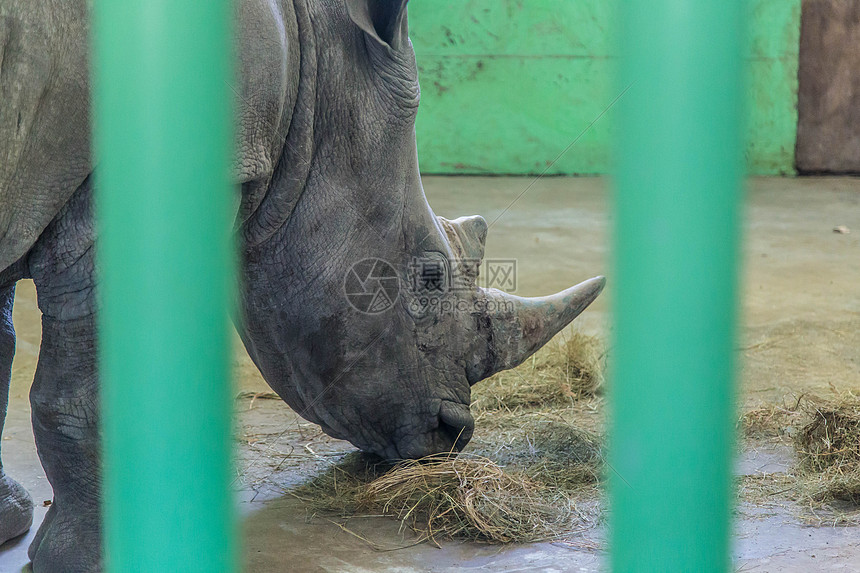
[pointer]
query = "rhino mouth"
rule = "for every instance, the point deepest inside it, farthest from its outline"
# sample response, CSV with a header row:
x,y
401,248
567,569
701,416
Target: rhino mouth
x,y
449,433
456,424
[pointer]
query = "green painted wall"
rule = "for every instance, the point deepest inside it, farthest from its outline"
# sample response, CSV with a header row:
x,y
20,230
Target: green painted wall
x,y
508,85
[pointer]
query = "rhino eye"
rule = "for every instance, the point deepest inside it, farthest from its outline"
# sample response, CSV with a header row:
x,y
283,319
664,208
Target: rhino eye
x,y
429,285
430,275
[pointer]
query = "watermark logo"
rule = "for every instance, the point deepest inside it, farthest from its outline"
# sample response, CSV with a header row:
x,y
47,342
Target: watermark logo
x,y
371,286
436,275
441,286
500,274
433,284
430,274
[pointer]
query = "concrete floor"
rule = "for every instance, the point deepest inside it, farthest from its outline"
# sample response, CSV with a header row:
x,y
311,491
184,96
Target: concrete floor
x,y
801,334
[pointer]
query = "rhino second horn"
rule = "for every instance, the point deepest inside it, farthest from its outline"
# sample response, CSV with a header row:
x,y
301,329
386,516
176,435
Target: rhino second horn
x,y
520,326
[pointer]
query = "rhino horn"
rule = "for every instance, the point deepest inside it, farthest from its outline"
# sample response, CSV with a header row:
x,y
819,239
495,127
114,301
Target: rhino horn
x,y
519,326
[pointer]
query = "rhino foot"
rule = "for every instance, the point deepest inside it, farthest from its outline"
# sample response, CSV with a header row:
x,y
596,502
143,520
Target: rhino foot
x,y
69,541
16,509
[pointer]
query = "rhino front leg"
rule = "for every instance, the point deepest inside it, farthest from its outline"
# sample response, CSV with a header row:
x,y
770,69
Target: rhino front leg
x,y
65,423
64,397
16,505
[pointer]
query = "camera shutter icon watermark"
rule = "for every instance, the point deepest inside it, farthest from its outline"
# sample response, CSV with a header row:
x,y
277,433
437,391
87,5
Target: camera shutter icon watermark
x,y
371,286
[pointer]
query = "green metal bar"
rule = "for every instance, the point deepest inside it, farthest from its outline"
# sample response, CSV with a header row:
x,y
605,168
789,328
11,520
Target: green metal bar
x,y
163,141
677,203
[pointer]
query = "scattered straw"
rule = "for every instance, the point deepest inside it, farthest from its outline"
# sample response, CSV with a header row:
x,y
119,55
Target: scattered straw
x,y
767,489
464,497
773,421
257,396
254,396
551,452
337,490
556,375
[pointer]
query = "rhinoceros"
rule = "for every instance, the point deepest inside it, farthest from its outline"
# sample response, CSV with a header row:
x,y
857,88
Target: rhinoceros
x,y
330,192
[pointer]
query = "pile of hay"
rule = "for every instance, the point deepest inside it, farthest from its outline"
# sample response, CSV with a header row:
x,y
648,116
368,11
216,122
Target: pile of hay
x,y
470,497
555,376
773,421
829,451
464,497
825,480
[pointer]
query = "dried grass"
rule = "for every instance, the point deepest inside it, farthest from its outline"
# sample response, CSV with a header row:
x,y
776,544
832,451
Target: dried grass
x,y
337,490
470,497
829,450
551,452
555,376
773,421
824,485
767,489
464,497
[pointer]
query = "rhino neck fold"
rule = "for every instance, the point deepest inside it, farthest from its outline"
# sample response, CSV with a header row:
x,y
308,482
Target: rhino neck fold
x,y
268,202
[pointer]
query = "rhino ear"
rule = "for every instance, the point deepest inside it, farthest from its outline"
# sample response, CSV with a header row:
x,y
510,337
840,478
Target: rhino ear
x,y
470,234
467,237
382,20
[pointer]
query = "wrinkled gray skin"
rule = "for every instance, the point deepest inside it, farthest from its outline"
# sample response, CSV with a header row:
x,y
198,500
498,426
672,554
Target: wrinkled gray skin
x,y
329,176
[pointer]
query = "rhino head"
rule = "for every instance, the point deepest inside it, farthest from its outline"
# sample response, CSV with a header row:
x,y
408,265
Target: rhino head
x,y
361,307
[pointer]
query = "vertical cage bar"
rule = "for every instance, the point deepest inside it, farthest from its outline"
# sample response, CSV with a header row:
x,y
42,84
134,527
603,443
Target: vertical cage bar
x,y
677,205
163,142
